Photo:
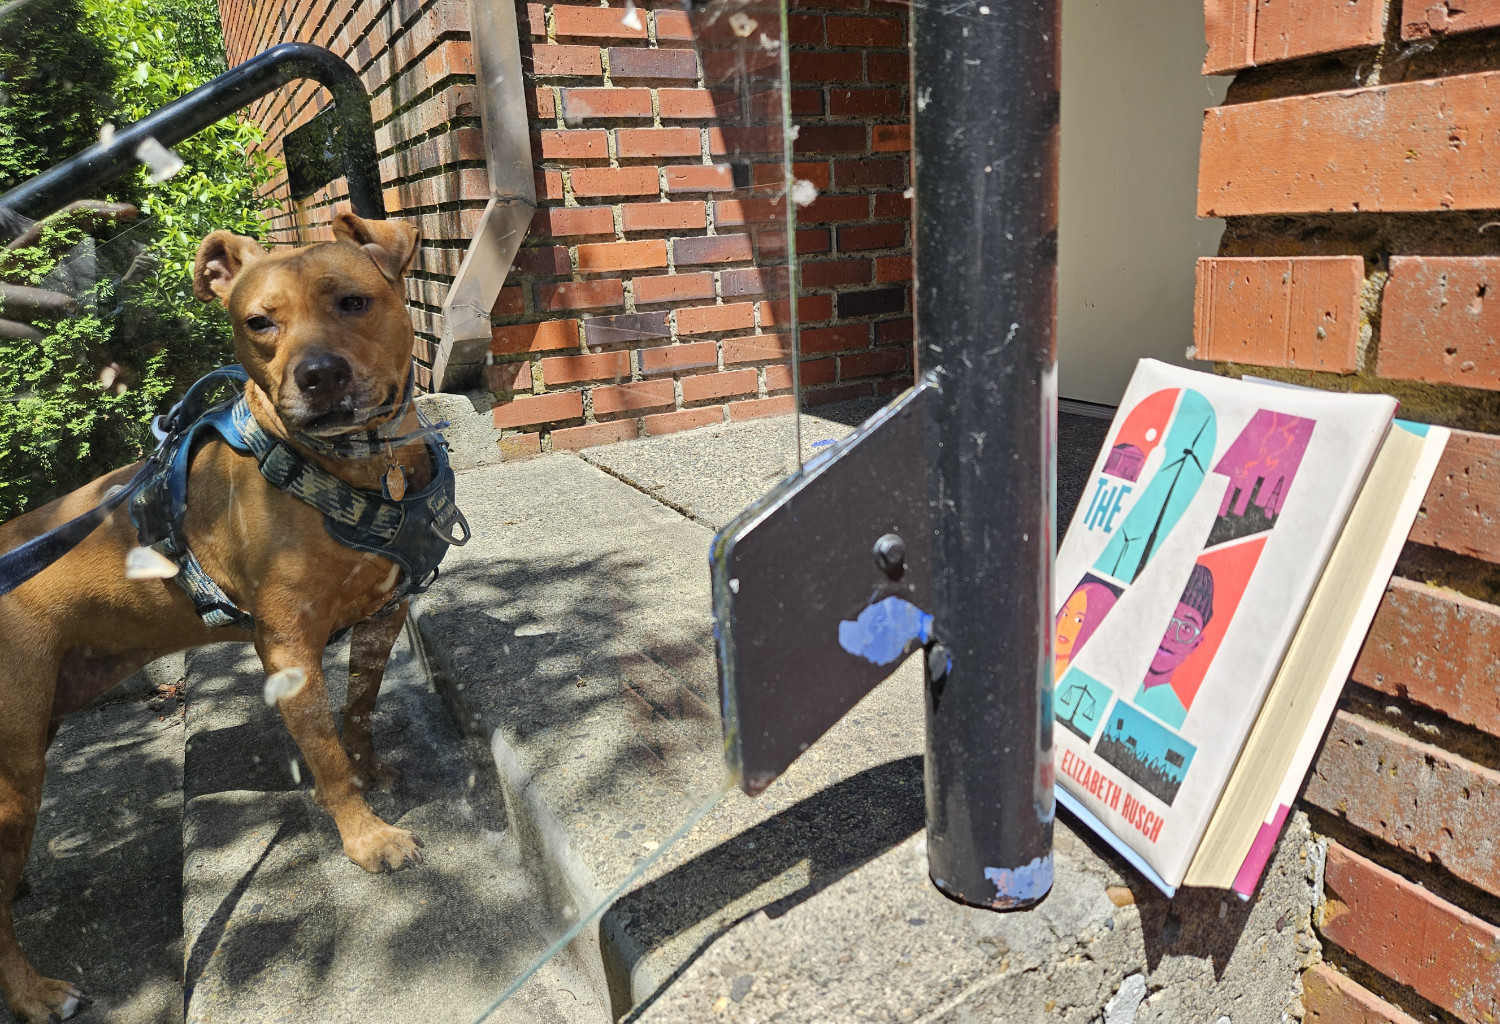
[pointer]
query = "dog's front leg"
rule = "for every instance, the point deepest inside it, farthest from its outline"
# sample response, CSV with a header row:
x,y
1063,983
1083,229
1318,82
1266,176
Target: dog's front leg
x,y
368,841
369,650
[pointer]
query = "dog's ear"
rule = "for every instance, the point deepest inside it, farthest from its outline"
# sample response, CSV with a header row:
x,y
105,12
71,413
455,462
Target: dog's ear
x,y
221,257
392,244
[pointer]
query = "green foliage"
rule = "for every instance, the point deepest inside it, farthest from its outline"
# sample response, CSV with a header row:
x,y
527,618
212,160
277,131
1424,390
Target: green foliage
x,y
60,423
58,83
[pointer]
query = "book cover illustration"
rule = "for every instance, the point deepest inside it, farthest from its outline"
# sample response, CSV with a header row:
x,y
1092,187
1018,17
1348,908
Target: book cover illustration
x,y
1183,574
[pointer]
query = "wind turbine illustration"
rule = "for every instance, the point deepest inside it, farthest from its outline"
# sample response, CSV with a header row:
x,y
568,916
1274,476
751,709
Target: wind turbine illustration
x,y
1181,462
1124,549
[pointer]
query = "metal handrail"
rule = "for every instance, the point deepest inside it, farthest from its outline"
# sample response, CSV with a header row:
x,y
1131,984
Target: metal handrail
x,y
81,174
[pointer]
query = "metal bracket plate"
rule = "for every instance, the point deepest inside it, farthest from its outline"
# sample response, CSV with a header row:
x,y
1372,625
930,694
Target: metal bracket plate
x,y
796,571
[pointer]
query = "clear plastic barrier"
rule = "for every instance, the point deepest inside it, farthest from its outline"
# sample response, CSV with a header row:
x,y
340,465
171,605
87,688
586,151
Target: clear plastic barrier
x,y
547,721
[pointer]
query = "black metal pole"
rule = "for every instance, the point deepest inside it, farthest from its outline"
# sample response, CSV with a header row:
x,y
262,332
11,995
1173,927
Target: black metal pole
x,y
80,175
985,82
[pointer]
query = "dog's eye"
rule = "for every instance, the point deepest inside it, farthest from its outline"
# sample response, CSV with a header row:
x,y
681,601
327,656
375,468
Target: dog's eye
x,y
354,304
260,323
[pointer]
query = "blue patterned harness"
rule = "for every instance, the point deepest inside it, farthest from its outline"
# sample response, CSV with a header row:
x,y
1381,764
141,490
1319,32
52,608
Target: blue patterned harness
x,y
414,532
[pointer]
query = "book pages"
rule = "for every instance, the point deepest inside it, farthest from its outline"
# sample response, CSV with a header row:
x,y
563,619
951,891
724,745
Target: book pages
x,y
1243,831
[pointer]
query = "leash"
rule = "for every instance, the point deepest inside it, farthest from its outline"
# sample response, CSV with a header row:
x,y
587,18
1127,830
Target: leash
x,y
22,563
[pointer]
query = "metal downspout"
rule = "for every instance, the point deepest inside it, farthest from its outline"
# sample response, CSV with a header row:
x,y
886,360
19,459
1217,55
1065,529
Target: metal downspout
x,y
465,340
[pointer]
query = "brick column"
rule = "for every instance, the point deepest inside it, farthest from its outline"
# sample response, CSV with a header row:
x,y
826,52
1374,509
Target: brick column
x,y
1352,160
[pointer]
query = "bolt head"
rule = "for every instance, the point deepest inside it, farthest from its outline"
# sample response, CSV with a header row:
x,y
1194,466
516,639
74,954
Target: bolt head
x,y
890,555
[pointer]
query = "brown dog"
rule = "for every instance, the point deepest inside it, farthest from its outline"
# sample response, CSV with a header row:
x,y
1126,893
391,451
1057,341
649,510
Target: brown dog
x,y
325,337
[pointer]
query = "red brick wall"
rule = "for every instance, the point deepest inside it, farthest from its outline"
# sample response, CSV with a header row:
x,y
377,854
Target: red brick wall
x,y
1353,162
639,297
413,56
850,94
637,305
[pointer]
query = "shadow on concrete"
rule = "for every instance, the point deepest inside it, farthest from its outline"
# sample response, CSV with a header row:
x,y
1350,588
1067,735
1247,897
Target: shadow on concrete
x,y
101,909
834,831
207,942
1201,923
282,926
851,413
554,672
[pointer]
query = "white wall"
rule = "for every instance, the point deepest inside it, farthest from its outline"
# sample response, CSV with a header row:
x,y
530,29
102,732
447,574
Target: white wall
x,y
1132,112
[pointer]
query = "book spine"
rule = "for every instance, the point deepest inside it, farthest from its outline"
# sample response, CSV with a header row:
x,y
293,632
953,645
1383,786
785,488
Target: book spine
x,y
1260,854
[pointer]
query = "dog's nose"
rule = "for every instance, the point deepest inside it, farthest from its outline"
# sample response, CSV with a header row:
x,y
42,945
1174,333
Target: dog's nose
x,y
324,378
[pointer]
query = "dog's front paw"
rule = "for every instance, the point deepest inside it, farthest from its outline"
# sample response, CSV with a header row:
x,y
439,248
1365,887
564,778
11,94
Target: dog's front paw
x,y
384,847
46,1000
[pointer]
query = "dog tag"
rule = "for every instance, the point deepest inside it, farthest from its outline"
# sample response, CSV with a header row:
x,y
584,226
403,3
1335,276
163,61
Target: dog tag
x,y
395,483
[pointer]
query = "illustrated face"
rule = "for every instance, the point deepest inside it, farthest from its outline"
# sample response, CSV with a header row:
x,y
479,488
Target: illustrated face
x,y
1184,634
1070,621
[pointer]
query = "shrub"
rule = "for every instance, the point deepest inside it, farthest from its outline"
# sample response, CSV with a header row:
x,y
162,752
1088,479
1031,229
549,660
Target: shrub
x,y
78,403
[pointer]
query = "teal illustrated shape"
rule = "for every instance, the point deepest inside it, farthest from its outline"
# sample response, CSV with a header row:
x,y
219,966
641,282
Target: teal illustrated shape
x,y
1080,702
882,631
1163,702
1188,450
1145,750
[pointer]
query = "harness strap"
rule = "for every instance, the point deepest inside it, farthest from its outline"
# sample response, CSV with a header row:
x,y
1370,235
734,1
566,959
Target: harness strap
x,y
26,560
213,606
414,532
322,490
189,408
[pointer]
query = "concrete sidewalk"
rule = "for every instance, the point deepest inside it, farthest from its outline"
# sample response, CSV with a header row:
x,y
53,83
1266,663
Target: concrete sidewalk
x,y
105,869
280,926
575,632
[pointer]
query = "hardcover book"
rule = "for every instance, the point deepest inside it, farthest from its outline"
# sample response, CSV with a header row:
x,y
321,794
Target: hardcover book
x,y
1205,530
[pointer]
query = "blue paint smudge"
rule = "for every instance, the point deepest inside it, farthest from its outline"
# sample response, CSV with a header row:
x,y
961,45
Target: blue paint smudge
x,y
1027,882
820,444
883,630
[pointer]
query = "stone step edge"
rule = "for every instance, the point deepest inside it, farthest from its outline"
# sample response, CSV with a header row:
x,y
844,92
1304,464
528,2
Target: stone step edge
x,y
540,831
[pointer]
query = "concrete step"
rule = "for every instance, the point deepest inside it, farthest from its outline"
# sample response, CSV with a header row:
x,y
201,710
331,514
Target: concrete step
x,y
281,926
573,633
710,474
